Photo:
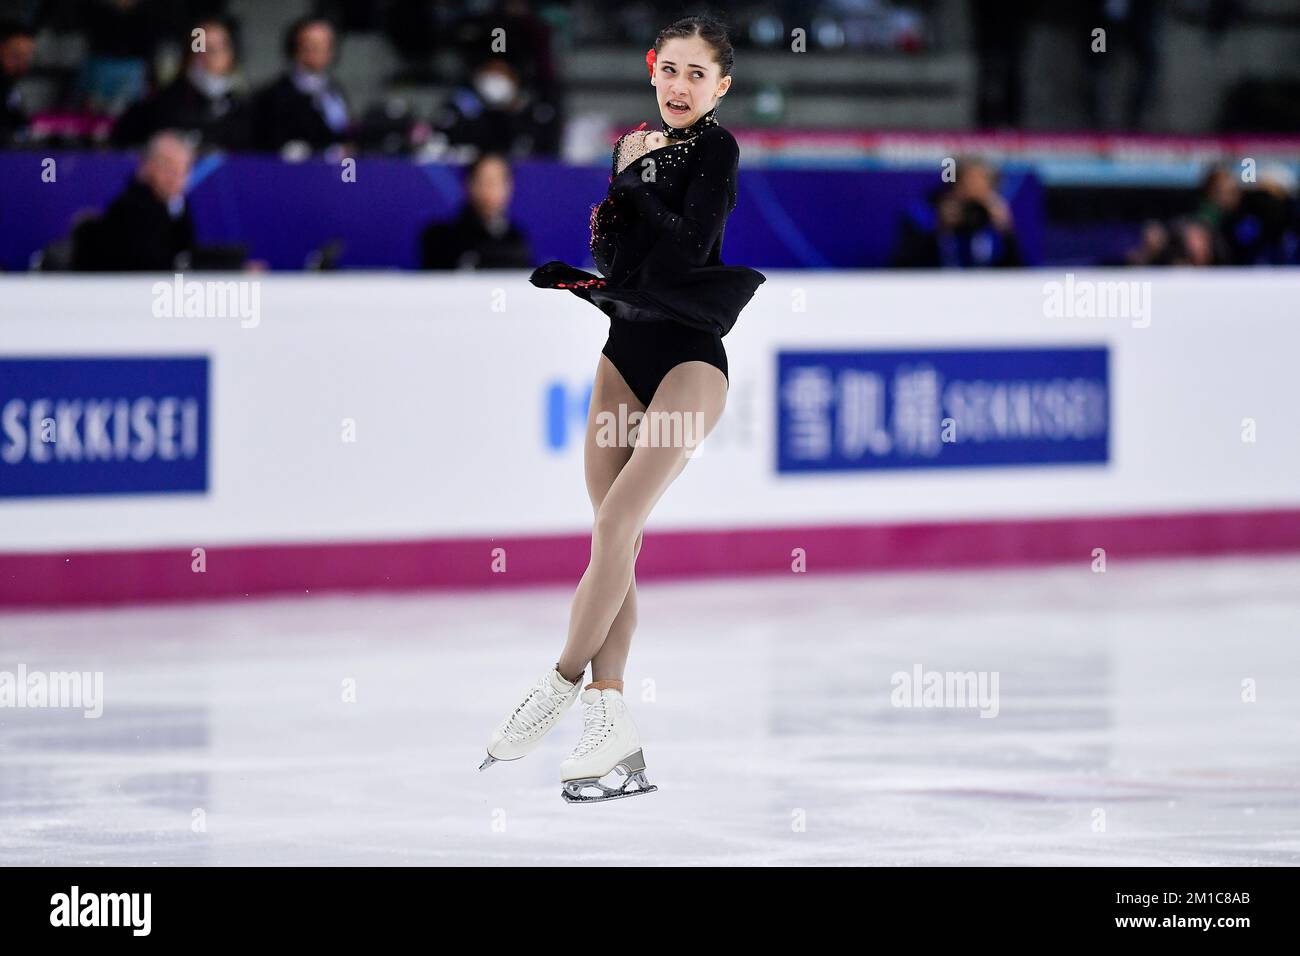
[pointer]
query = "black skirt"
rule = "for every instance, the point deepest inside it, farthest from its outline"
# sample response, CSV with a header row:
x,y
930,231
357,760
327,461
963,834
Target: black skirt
x,y
703,297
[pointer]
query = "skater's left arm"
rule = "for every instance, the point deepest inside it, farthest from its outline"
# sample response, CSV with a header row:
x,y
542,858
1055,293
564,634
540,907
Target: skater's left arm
x,y
710,197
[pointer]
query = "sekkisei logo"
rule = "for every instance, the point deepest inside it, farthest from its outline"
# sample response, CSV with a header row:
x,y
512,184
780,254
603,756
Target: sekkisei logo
x,y
952,689
1089,299
109,429
78,690
103,909
103,426
208,299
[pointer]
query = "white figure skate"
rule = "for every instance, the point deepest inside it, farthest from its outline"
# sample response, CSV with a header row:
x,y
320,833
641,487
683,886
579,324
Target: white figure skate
x,y
609,742
523,730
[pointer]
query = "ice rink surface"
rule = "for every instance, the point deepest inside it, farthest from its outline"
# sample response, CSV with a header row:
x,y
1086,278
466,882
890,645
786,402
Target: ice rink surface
x,y
1125,730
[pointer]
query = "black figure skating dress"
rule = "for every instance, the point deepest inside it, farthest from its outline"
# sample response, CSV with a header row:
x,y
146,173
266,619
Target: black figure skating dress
x,y
657,240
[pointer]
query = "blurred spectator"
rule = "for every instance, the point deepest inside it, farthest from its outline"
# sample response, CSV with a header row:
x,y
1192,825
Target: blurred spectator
x,y
530,42
532,64
201,100
492,114
1220,197
1152,248
122,37
16,46
148,227
482,236
961,225
1186,241
305,105
1234,226
1193,243
1264,228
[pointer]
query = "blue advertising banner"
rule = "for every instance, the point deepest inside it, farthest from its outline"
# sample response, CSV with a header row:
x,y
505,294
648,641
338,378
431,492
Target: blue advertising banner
x,y
862,411
284,212
103,426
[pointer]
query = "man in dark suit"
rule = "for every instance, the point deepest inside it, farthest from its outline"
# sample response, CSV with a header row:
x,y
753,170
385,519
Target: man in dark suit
x,y
148,228
305,105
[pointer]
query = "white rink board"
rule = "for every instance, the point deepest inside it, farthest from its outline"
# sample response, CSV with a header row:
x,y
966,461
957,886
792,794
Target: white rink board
x,y
448,397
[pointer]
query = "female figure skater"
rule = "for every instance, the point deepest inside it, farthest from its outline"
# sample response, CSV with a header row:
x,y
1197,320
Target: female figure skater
x,y
657,239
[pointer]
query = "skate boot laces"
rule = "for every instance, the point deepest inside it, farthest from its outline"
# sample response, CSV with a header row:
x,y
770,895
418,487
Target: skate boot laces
x,y
596,726
538,708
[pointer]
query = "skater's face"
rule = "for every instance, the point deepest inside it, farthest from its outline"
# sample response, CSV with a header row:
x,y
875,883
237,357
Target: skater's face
x,y
687,80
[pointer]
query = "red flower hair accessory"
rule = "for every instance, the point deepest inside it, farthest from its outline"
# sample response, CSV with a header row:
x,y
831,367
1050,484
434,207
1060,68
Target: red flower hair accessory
x,y
650,60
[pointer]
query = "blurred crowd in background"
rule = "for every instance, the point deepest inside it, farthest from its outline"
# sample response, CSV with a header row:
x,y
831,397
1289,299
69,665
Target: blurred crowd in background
x,y
142,66
176,79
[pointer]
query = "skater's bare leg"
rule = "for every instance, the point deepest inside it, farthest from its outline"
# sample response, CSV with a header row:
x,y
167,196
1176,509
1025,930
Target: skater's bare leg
x,y
693,390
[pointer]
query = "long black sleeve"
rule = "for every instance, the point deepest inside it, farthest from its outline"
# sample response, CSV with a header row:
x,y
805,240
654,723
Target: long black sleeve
x,y
710,196
658,244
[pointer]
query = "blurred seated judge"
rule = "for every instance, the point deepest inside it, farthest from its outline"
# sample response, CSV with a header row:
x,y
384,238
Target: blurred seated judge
x,y
482,236
148,227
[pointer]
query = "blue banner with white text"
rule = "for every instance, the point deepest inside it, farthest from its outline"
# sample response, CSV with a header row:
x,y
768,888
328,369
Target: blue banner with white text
x,y
103,426
944,408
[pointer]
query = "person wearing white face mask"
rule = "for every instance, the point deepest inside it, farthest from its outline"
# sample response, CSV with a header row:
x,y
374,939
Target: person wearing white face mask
x,y
305,105
202,100
491,114
496,87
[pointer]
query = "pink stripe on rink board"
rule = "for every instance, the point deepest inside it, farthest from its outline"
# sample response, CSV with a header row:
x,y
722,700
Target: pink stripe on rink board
x,y
68,578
